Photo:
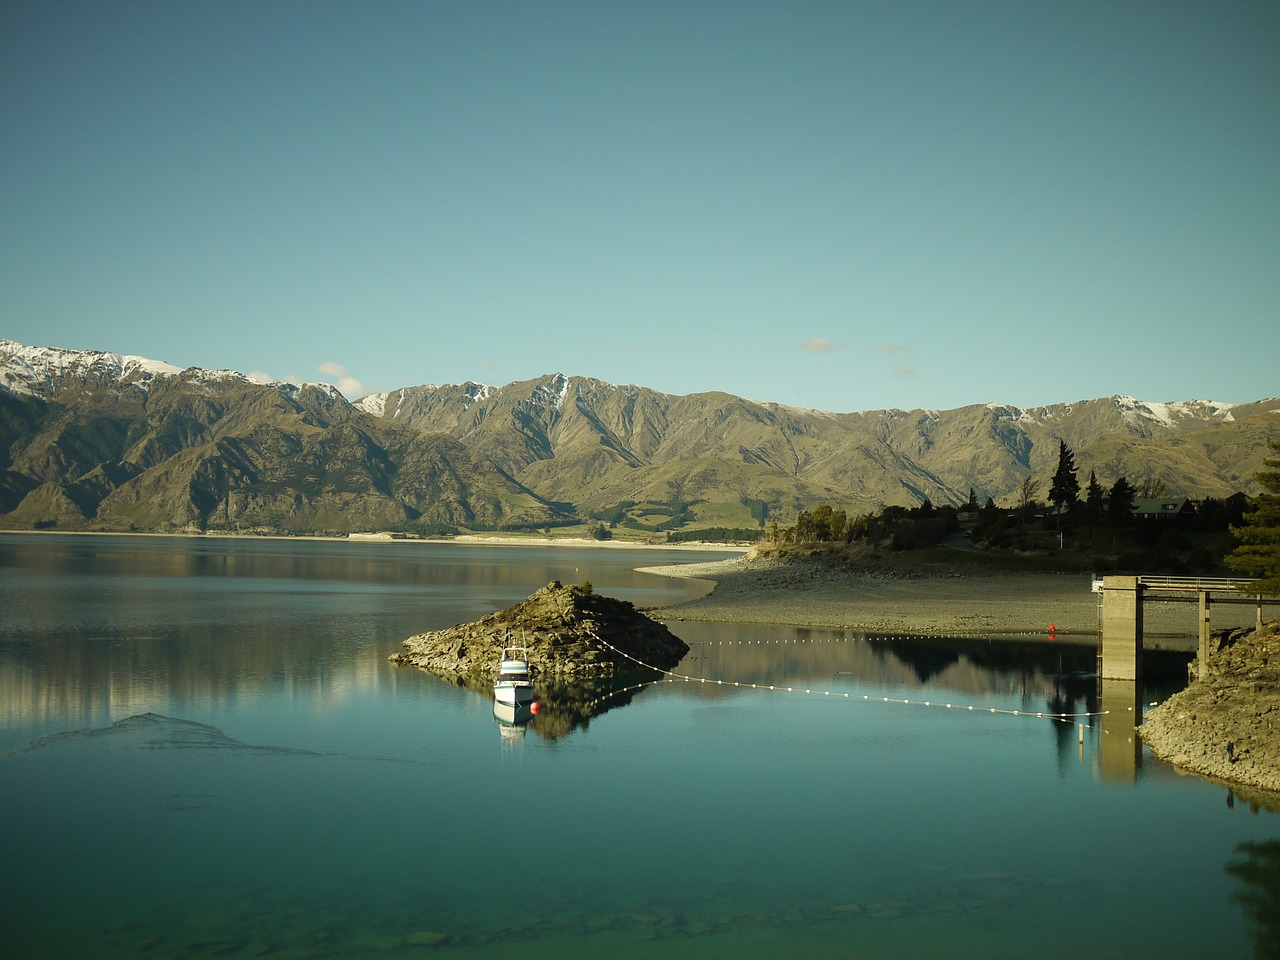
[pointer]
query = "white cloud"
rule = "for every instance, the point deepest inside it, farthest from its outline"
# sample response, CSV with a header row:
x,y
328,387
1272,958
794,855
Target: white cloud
x,y
349,386
265,379
903,372
822,345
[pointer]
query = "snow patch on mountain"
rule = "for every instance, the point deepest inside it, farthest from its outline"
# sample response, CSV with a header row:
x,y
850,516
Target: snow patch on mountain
x,y
790,410
32,371
38,371
553,393
1135,411
476,392
1005,411
375,403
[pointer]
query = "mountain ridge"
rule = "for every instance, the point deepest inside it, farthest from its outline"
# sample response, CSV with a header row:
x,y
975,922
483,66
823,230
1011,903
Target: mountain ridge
x,y
90,440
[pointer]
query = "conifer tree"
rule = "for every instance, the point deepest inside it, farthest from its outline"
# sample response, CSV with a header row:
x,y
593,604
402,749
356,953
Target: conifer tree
x,y
1095,503
1120,503
1065,489
1259,551
1095,500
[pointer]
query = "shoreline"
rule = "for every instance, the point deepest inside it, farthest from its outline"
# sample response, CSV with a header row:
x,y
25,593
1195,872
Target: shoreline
x,y
1223,730
800,591
1055,607
465,539
1225,726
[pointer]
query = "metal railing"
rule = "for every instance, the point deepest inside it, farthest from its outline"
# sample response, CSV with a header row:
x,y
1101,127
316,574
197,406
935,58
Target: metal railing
x,y
1194,583
1200,584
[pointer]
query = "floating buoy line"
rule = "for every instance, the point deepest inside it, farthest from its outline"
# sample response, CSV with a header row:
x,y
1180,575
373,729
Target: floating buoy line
x,y
671,677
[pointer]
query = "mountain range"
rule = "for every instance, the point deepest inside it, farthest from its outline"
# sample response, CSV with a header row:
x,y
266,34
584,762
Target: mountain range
x,y
98,441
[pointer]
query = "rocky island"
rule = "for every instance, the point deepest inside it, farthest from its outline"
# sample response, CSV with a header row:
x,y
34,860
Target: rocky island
x,y
1226,726
570,632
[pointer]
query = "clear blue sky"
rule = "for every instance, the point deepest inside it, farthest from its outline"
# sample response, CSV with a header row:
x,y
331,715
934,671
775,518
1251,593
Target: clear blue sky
x,y
847,206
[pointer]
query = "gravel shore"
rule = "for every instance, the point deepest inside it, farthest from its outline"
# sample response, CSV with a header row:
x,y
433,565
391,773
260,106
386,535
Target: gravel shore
x,y
941,601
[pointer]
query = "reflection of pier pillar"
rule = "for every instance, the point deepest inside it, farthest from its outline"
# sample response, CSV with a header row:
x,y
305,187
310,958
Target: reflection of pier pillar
x,y
1121,629
1119,750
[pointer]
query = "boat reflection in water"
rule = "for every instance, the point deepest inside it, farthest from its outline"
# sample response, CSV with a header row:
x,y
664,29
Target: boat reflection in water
x,y
512,718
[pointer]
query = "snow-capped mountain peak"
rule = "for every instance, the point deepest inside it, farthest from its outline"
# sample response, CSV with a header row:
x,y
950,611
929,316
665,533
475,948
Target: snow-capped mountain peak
x,y
42,371
374,403
1168,414
34,370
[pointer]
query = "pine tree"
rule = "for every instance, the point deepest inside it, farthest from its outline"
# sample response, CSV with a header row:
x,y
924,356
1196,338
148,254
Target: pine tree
x,y
1259,552
1095,499
1120,503
1065,489
1095,503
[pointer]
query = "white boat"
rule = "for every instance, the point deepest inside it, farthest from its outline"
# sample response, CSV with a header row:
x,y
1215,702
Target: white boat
x,y
514,684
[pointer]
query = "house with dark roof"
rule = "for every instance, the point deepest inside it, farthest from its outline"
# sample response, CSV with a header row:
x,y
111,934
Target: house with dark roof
x,y
1167,508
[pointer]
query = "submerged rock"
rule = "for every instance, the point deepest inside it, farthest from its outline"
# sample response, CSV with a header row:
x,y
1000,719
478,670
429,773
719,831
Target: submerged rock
x,y
569,632
1226,726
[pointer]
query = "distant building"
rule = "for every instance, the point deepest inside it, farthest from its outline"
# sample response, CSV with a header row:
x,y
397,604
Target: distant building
x,y
1157,508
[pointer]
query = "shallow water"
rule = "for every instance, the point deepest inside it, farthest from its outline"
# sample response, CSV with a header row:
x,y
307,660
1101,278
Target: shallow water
x,y
207,754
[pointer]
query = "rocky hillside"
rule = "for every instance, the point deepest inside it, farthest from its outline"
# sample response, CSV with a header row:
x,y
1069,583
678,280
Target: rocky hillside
x,y
596,444
106,443
1227,725
92,440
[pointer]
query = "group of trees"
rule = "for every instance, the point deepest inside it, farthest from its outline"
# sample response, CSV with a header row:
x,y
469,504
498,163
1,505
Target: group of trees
x,y
899,528
1198,542
674,514
1258,554
1099,526
1114,506
1099,506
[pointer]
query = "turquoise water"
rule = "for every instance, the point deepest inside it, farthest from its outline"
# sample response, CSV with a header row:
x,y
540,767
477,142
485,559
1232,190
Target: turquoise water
x,y
207,754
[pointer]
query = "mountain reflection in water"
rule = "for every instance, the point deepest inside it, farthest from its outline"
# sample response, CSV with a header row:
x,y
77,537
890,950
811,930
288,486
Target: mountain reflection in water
x,y
245,805
723,660
1045,677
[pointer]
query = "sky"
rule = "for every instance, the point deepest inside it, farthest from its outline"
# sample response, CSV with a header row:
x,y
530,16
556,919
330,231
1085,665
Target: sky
x,y
843,206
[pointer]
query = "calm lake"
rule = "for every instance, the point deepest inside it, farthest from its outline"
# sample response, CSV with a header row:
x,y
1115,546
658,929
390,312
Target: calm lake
x,y
205,753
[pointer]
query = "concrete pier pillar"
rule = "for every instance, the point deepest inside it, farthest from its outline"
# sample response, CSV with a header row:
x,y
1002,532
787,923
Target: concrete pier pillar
x,y
1202,664
1121,643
